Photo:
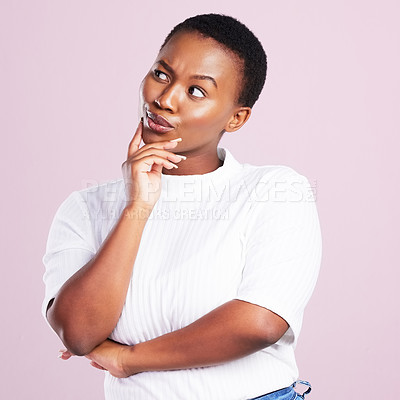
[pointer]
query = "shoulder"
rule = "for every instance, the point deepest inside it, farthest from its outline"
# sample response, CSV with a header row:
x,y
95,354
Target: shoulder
x,y
281,200
268,172
111,191
95,199
266,180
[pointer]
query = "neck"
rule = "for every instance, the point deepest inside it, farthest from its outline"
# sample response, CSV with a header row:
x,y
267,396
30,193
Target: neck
x,y
196,164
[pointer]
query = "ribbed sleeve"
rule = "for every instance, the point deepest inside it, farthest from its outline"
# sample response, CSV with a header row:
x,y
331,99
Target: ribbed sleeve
x,y
283,248
69,245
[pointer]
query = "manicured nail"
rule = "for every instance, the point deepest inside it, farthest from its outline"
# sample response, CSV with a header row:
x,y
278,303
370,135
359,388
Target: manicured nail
x,y
176,140
60,355
183,157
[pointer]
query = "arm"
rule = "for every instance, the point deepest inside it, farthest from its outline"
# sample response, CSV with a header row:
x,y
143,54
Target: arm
x,y
88,305
231,331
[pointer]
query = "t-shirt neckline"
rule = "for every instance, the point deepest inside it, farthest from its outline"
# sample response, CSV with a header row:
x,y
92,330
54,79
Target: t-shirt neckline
x,y
229,167
224,155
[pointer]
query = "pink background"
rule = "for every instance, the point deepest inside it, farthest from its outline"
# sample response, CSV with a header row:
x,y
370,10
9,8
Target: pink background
x,y
70,72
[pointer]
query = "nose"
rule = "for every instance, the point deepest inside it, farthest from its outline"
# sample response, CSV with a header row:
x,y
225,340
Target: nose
x,y
169,99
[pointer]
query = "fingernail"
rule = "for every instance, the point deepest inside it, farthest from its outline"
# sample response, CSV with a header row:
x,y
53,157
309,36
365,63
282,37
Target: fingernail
x,y
183,157
176,140
60,355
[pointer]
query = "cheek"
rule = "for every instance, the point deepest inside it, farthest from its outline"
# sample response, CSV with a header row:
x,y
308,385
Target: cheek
x,y
207,117
147,92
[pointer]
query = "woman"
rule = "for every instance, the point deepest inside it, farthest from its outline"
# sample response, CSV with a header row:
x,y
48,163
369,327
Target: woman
x,y
187,279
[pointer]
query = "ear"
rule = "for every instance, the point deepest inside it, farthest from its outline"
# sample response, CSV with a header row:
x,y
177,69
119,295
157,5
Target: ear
x,y
238,119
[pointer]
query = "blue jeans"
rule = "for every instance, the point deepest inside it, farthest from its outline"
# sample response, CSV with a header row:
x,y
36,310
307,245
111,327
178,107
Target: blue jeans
x,y
286,393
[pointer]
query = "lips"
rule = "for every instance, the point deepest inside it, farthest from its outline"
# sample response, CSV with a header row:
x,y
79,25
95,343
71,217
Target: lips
x,y
158,123
158,119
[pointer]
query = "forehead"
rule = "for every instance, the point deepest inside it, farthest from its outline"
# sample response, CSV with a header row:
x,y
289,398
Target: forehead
x,y
192,53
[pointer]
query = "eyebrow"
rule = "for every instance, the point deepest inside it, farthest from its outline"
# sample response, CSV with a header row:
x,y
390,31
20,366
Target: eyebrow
x,y
199,77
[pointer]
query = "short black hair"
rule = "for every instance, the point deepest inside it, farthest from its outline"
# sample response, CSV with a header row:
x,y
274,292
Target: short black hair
x,y
236,37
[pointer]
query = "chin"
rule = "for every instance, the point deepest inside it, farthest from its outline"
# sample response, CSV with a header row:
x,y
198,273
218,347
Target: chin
x,y
148,136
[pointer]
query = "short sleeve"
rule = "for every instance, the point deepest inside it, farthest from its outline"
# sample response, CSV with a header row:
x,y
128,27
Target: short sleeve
x,y
283,249
69,247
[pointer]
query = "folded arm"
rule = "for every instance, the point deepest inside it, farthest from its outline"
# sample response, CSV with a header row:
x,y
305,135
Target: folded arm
x,y
89,304
231,331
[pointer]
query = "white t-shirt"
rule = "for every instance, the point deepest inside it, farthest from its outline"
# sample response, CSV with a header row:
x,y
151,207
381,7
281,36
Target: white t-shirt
x,y
240,232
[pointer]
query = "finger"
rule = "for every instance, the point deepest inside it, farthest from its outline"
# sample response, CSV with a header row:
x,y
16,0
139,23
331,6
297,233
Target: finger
x,y
65,354
149,161
156,168
135,142
98,366
158,152
172,143
165,144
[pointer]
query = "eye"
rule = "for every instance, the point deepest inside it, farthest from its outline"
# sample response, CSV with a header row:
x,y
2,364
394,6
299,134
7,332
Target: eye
x,y
160,75
196,92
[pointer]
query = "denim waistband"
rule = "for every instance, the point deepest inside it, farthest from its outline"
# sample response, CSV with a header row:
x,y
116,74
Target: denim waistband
x,y
281,394
287,393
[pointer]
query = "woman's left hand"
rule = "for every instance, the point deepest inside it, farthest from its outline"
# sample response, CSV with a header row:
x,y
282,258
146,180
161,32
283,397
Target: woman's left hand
x,y
108,356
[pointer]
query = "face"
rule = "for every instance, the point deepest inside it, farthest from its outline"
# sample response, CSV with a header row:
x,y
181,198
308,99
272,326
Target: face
x,y
190,92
